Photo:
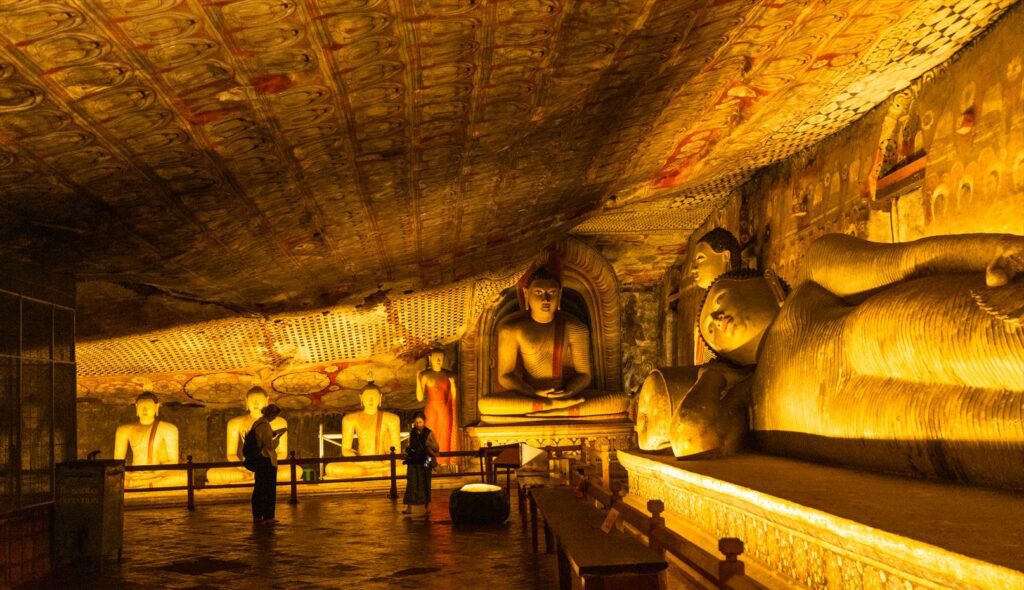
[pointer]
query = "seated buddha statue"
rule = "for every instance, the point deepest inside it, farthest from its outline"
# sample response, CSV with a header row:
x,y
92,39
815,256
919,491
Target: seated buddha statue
x,y
437,385
895,357
376,430
152,442
255,400
544,364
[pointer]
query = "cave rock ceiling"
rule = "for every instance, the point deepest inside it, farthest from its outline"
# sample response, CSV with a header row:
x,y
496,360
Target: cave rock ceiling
x,y
273,154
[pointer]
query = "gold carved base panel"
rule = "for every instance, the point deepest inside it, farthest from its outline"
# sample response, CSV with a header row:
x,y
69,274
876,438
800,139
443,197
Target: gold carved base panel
x,y
790,545
612,435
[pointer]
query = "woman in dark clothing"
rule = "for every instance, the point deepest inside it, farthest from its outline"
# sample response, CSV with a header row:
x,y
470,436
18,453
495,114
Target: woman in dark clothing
x,y
419,459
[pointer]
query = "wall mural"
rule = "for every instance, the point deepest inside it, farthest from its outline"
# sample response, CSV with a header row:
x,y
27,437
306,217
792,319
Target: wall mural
x,y
958,130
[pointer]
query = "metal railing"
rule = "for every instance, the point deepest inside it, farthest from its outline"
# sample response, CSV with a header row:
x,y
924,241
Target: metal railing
x,y
484,455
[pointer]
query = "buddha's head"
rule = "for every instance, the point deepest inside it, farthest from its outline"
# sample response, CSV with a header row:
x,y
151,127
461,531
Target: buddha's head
x,y
435,359
716,253
255,400
653,414
146,408
370,398
738,309
543,294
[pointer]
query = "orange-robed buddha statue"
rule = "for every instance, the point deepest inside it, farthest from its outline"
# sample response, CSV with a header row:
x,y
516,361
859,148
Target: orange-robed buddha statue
x,y
901,357
544,364
437,385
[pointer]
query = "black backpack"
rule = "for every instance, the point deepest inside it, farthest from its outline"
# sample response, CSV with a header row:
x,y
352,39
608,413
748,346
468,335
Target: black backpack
x,y
251,450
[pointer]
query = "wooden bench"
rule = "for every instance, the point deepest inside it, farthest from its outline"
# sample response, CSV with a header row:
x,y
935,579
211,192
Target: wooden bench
x,y
601,561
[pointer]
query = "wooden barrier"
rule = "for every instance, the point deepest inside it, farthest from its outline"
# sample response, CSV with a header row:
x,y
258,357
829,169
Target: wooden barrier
x,y
726,574
485,456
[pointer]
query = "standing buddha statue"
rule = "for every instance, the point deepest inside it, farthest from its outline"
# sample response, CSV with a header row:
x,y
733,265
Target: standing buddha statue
x,y
438,386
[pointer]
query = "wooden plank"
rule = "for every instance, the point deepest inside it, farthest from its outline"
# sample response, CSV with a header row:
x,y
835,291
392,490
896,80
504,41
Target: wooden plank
x,y
592,552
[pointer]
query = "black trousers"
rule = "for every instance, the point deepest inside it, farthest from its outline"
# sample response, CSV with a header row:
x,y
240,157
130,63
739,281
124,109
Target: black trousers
x,y
264,492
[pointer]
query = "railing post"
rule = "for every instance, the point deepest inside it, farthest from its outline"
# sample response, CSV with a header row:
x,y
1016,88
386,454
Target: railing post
x,y
393,493
489,462
606,467
655,507
731,566
617,495
191,481
294,498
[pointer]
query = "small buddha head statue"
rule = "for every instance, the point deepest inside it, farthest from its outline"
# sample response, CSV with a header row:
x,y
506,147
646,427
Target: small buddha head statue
x,y
370,397
255,400
435,359
716,253
738,309
543,295
147,407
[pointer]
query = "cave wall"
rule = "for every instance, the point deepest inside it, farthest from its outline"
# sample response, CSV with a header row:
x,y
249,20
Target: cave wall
x,y
959,129
966,117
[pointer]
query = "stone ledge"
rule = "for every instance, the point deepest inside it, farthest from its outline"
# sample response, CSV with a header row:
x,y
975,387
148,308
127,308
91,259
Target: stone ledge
x,y
810,547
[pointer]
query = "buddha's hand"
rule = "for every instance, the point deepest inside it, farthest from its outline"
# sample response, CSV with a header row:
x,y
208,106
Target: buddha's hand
x,y
1008,262
554,393
730,375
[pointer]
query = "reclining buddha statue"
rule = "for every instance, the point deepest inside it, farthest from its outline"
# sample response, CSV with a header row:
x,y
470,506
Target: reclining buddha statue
x,y
904,357
544,364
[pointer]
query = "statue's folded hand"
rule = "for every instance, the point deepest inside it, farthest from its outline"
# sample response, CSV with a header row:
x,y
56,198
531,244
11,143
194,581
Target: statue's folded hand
x,y
554,393
1007,264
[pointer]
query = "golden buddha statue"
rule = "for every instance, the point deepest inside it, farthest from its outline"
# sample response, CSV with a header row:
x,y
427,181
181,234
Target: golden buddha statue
x,y
897,357
255,400
376,430
716,253
544,364
152,442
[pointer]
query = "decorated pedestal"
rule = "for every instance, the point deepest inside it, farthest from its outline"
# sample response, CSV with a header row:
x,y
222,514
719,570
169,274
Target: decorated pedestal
x,y
813,526
611,435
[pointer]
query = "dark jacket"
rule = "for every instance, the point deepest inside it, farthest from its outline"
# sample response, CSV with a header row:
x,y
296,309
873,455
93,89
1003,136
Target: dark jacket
x,y
421,445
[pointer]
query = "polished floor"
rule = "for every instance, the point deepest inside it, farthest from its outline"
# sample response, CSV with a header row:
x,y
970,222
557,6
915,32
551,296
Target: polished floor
x,y
351,542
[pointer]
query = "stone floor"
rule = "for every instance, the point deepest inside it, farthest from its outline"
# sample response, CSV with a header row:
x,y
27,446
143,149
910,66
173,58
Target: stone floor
x,y
351,542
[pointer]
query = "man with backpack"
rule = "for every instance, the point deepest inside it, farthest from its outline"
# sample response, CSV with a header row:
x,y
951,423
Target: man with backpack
x,y
260,453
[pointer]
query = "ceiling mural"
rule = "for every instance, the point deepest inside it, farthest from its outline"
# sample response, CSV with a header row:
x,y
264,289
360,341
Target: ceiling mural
x,y
269,156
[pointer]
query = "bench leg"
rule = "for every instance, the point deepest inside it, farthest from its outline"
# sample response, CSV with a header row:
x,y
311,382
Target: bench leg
x,y
564,570
533,523
521,494
549,540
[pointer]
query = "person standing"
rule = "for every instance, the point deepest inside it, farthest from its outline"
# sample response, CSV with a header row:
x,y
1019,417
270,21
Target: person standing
x,y
420,459
264,492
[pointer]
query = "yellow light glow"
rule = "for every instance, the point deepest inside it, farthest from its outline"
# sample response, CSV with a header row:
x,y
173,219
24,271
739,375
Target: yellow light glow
x,y
479,487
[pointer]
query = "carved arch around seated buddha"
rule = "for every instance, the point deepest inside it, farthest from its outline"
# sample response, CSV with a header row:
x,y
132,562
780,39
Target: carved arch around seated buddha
x,y
588,280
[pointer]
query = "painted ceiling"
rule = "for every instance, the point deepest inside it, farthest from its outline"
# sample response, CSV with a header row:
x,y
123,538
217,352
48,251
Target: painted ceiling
x,y
195,159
